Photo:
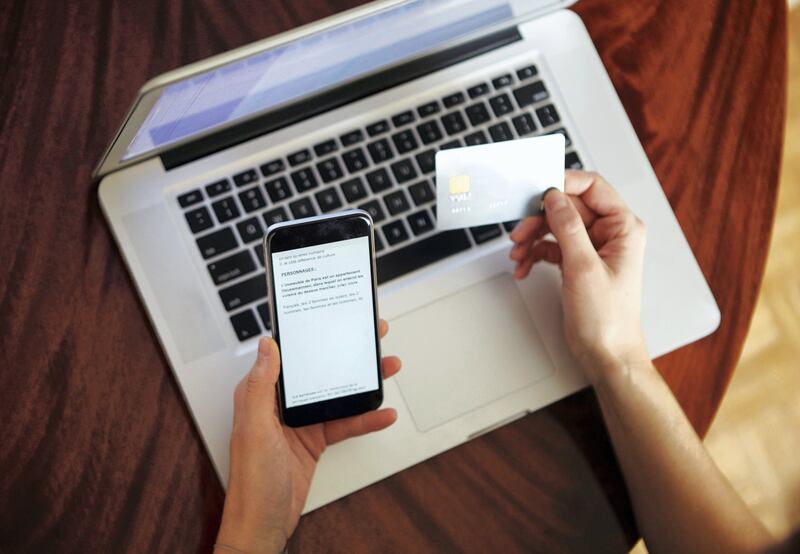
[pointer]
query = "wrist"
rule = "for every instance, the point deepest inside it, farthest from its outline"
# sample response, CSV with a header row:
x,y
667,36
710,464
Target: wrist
x,y
242,530
239,539
605,368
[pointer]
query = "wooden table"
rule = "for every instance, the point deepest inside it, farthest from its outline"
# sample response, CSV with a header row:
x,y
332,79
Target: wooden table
x,y
98,452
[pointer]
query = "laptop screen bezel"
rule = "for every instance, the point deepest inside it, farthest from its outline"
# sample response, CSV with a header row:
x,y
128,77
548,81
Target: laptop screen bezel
x,y
114,156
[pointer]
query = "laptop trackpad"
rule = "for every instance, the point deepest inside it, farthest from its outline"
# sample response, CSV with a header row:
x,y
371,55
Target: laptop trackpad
x,y
466,350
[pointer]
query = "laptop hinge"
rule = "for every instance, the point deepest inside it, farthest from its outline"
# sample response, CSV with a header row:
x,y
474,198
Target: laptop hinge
x,y
334,98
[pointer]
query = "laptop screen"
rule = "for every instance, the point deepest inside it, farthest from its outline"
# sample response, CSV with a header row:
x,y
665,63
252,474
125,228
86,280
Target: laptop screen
x,y
308,65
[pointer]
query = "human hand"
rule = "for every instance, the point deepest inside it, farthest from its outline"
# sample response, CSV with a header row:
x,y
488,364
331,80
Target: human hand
x,y
271,465
600,249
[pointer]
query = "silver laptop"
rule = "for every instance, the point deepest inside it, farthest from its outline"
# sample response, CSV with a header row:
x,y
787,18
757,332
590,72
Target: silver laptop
x,y
349,112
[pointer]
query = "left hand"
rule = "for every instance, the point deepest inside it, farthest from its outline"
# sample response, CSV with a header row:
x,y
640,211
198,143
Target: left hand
x,y
271,465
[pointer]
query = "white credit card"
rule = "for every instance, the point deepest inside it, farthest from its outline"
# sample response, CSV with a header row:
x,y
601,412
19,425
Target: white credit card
x,y
492,183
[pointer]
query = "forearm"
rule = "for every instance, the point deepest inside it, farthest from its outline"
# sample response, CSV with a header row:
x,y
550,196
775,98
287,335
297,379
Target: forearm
x,y
681,500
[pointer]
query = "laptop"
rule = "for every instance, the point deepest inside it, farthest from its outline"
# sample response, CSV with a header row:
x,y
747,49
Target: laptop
x,y
348,112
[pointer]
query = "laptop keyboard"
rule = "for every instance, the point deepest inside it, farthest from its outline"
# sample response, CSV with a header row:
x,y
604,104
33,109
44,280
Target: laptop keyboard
x,y
386,168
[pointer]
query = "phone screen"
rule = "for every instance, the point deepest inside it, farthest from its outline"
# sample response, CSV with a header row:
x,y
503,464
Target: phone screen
x,y
326,318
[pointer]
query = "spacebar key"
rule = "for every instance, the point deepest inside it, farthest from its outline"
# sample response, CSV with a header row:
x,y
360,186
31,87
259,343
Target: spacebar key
x,y
422,253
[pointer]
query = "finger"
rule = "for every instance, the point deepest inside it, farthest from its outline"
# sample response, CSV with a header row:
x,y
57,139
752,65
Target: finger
x,y
528,229
542,251
341,429
383,327
587,215
260,381
577,252
598,195
390,365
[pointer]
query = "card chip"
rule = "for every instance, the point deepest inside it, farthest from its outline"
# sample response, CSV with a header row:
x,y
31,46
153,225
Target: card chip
x,y
459,184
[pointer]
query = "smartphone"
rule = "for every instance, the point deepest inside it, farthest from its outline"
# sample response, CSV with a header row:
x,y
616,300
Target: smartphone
x,y
323,298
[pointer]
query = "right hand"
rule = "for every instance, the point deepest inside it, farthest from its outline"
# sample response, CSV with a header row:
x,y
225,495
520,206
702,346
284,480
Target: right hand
x,y
600,249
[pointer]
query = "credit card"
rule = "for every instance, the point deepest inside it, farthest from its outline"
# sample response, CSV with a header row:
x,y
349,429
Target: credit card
x,y
492,183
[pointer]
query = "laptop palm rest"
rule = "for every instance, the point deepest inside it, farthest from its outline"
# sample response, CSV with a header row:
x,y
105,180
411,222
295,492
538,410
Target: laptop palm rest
x,y
459,361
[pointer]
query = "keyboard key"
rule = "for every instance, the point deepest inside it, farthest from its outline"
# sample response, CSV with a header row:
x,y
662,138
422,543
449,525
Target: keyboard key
x,y
420,254
353,189
420,222
454,123
403,118
477,114
355,160
478,90
427,161
225,209
530,94
245,178
378,243
220,187
510,225
354,136
572,161
396,202
302,208
231,267
217,242
330,170
189,198
395,232
501,104
325,148
478,137
567,140
380,151
524,124
304,179
527,72
502,81
278,189
373,208
403,171
276,216
299,157
252,199
428,109
379,180
485,232
263,313
199,219
421,193
250,230
500,132
245,325
245,292
453,99
259,252
429,131
273,167
404,141
451,144
328,199
377,128
548,115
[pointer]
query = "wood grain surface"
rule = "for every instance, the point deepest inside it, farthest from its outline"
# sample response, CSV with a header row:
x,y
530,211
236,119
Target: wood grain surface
x,y
97,450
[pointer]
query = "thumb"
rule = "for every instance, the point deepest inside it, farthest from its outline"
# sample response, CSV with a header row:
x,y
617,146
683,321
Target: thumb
x,y
264,374
577,251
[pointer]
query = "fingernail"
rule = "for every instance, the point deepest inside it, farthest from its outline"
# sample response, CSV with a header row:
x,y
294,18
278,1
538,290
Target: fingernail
x,y
548,190
557,200
264,351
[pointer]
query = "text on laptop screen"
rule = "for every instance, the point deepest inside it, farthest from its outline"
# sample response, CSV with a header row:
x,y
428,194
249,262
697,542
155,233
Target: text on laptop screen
x,y
307,65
